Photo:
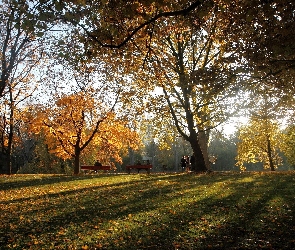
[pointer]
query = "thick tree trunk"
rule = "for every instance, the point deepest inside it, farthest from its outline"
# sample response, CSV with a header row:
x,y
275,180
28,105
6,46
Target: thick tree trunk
x,y
77,165
200,165
203,142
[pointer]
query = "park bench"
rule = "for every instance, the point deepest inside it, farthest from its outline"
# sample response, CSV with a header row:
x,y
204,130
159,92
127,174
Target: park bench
x,y
139,167
93,168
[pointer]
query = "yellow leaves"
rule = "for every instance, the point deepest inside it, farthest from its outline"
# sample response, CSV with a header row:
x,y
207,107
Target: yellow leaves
x,y
288,145
259,141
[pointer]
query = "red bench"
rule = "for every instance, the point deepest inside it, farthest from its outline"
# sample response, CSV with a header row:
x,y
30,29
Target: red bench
x,y
139,167
94,168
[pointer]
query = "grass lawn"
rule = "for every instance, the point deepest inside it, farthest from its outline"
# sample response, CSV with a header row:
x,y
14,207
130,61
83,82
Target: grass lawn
x,y
156,211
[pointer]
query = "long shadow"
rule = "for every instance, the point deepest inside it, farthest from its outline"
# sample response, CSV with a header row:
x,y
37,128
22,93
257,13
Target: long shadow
x,y
98,206
39,180
248,224
241,229
84,210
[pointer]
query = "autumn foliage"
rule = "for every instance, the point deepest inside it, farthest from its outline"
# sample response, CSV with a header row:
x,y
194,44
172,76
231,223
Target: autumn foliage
x,y
78,125
197,55
260,142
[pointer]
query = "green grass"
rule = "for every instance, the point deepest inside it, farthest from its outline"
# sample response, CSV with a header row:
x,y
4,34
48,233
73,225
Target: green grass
x,y
156,211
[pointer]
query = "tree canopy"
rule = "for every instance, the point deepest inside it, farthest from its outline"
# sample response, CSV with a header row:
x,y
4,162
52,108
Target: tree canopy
x,y
180,61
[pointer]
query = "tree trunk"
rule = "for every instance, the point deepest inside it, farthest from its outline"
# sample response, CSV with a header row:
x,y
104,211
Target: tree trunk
x,y
200,165
269,155
11,133
77,160
203,142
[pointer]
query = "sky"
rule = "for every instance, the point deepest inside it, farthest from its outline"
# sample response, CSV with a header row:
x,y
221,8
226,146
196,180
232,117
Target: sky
x,y
230,127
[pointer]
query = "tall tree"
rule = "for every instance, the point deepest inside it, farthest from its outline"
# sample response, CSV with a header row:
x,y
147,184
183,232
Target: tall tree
x,y
259,142
288,145
21,51
21,33
18,92
261,139
191,65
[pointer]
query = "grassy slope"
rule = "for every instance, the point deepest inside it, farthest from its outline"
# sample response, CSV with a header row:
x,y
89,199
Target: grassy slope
x,y
172,211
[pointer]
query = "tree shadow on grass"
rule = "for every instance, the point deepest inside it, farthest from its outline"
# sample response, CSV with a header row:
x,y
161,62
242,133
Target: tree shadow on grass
x,y
156,212
250,218
14,182
51,212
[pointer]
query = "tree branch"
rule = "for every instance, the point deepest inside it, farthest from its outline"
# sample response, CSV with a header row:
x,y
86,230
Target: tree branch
x,y
182,12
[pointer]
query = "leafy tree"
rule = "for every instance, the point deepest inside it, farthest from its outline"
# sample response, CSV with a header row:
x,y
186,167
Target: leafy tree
x,y
126,24
78,121
191,67
65,124
21,37
288,146
258,28
18,92
268,34
113,24
259,142
21,50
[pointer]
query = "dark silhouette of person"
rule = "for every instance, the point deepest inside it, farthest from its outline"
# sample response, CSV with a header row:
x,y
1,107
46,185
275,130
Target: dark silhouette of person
x,y
183,163
97,163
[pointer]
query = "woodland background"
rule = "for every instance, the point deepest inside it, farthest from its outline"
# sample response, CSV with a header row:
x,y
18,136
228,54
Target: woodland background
x,y
121,81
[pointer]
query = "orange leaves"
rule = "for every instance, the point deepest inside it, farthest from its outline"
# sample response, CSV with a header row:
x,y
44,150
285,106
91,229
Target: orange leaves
x,y
113,140
80,121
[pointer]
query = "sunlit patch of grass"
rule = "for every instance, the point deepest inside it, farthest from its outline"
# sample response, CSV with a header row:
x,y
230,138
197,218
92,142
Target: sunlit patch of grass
x,y
139,211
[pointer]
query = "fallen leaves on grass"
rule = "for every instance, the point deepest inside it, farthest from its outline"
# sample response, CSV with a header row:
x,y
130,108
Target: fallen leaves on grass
x,y
230,211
